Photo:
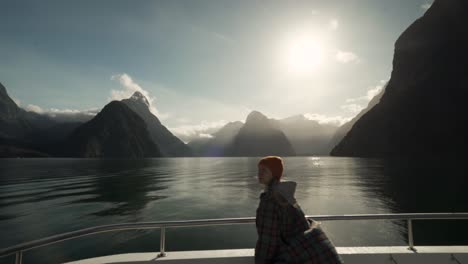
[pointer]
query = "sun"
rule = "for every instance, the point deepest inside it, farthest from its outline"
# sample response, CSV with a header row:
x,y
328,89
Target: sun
x,y
304,55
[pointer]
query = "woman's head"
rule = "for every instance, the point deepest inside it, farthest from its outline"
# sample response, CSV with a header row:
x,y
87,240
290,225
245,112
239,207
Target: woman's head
x,y
270,168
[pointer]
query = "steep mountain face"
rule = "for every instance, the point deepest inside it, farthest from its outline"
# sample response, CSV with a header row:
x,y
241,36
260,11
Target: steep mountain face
x,y
423,109
259,137
8,108
218,145
346,127
169,144
24,133
16,122
12,121
116,132
308,137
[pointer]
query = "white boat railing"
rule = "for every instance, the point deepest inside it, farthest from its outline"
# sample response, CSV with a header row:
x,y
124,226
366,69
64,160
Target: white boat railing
x,y
19,249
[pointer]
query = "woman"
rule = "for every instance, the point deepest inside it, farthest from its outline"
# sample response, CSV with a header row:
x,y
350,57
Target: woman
x,y
284,234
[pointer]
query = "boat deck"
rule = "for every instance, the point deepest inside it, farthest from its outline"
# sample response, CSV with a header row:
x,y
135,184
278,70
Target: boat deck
x,y
351,255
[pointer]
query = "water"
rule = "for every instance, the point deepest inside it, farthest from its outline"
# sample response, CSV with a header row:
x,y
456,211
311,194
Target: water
x,y
42,197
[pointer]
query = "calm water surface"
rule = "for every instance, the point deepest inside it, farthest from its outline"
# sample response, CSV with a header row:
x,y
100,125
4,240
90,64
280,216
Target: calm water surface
x,y
42,197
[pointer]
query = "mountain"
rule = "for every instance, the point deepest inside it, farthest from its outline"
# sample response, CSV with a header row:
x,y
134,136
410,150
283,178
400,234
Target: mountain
x,y
13,123
259,137
24,133
346,127
8,107
116,132
169,144
18,127
308,137
218,144
50,140
423,109
13,148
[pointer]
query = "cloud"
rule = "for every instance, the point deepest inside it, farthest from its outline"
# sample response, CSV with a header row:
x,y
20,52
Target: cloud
x,y
376,90
72,115
324,119
352,108
34,108
333,24
426,5
64,115
356,105
188,133
346,57
131,87
370,93
202,135
17,101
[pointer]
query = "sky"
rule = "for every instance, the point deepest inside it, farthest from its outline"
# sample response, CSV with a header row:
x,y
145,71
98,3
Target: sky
x,y
202,63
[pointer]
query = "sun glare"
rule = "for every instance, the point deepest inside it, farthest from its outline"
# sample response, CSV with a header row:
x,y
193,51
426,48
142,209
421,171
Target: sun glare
x,y
304,55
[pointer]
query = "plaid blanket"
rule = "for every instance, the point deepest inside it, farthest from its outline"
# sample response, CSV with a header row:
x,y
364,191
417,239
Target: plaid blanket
x,y
285,235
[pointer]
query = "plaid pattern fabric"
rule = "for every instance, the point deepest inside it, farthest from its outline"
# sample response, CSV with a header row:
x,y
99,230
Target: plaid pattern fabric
x,y
285,236
269,237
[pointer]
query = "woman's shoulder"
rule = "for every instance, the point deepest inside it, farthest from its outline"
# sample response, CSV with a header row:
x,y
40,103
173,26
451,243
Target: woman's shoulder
x,y
270,199
274,200
266,196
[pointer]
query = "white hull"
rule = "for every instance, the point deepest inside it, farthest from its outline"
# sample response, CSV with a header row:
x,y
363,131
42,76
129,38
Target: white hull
x,y
350,255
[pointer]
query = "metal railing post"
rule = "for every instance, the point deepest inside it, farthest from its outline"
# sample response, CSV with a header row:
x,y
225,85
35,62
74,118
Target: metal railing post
x,y
162,251
410,235
19,257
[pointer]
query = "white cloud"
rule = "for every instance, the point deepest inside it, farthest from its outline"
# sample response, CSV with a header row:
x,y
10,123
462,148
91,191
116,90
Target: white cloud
x,y
352,108
202,135
346,57
64,115
373,91
356,105
131,87
190,132
376,90
426,5
17,101
72,115
333,24
34,108
323,119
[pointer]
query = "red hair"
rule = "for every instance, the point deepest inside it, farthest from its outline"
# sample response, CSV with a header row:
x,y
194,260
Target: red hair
x,y
275,164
